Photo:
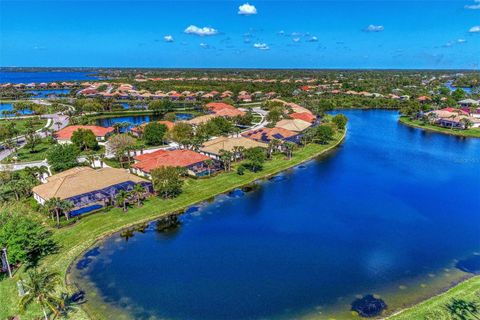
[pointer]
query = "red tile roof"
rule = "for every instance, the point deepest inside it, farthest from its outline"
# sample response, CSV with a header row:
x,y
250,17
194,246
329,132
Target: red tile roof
x,y
424,98
66,133
224,109
168,158
305,116
460,111
267,134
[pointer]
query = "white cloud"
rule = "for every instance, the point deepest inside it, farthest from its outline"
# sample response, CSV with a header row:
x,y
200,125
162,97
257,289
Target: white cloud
x,y
473,6
204,45
474,29
313,39
205,31
261,46
168,38
461,40
247,9
281,33
374,28
296,39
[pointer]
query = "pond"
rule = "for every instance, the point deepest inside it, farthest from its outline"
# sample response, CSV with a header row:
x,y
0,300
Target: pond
x,y
451,87
137,120
388,215
9,107
46,93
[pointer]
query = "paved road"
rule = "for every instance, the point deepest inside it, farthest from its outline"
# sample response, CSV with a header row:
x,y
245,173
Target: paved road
x,y
56,121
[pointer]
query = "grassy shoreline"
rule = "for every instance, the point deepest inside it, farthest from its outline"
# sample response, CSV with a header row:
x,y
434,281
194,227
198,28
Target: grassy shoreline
x,y
432,307
469,133
76,239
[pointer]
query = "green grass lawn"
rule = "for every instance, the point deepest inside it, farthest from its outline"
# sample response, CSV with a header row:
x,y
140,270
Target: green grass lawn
x,y
25,155
75,239
434,308
472,132
21,124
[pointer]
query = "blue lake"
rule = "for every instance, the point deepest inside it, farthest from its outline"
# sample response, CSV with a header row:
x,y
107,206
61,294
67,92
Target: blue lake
x,y
44,76
137,120
390,212
449,85
46,93
9,107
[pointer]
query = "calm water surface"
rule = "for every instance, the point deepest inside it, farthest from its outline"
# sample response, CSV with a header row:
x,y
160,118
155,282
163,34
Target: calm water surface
x,y
137,120
9,107
389,213
44,76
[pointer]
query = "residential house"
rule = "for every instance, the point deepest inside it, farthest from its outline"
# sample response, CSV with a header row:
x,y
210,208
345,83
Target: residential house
x,y
266,135
213,148
192,161
86,188
101,133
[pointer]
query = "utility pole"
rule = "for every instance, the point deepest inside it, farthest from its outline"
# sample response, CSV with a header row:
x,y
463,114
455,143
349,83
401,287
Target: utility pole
x,y
6,262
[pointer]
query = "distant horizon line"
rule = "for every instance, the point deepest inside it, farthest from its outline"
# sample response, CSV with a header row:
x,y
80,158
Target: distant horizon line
x,y
2,68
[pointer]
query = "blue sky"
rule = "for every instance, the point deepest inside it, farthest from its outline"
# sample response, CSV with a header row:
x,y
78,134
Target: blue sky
x,y
269,34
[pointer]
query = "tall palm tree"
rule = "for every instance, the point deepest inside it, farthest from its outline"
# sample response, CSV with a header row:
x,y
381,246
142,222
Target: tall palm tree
x,y
209,163
122,198
226,158
137,193
56,206
289,147
58,124
66,207
273,146
40,288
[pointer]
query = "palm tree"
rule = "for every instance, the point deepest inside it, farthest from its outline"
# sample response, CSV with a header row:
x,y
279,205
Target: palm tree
x,y
137,193
289,147
209,163
226,158
58,124
238,152
272,147
122,198
67,206
40,288
56,206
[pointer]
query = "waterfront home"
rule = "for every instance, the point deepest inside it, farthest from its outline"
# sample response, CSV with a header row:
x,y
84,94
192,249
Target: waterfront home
x,y
213,148
305,116
138,130
88,189
469,103
424,99
202,119
224,110
266,135
101,133
453,118
294,125
192,161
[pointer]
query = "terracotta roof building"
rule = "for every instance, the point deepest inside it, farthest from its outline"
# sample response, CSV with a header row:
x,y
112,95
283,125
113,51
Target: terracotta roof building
x,y
305,116
101,133
224,110
191,160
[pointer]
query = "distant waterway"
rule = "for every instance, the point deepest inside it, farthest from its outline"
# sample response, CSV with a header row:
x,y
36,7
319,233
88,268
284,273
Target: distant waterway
x,y
44,76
